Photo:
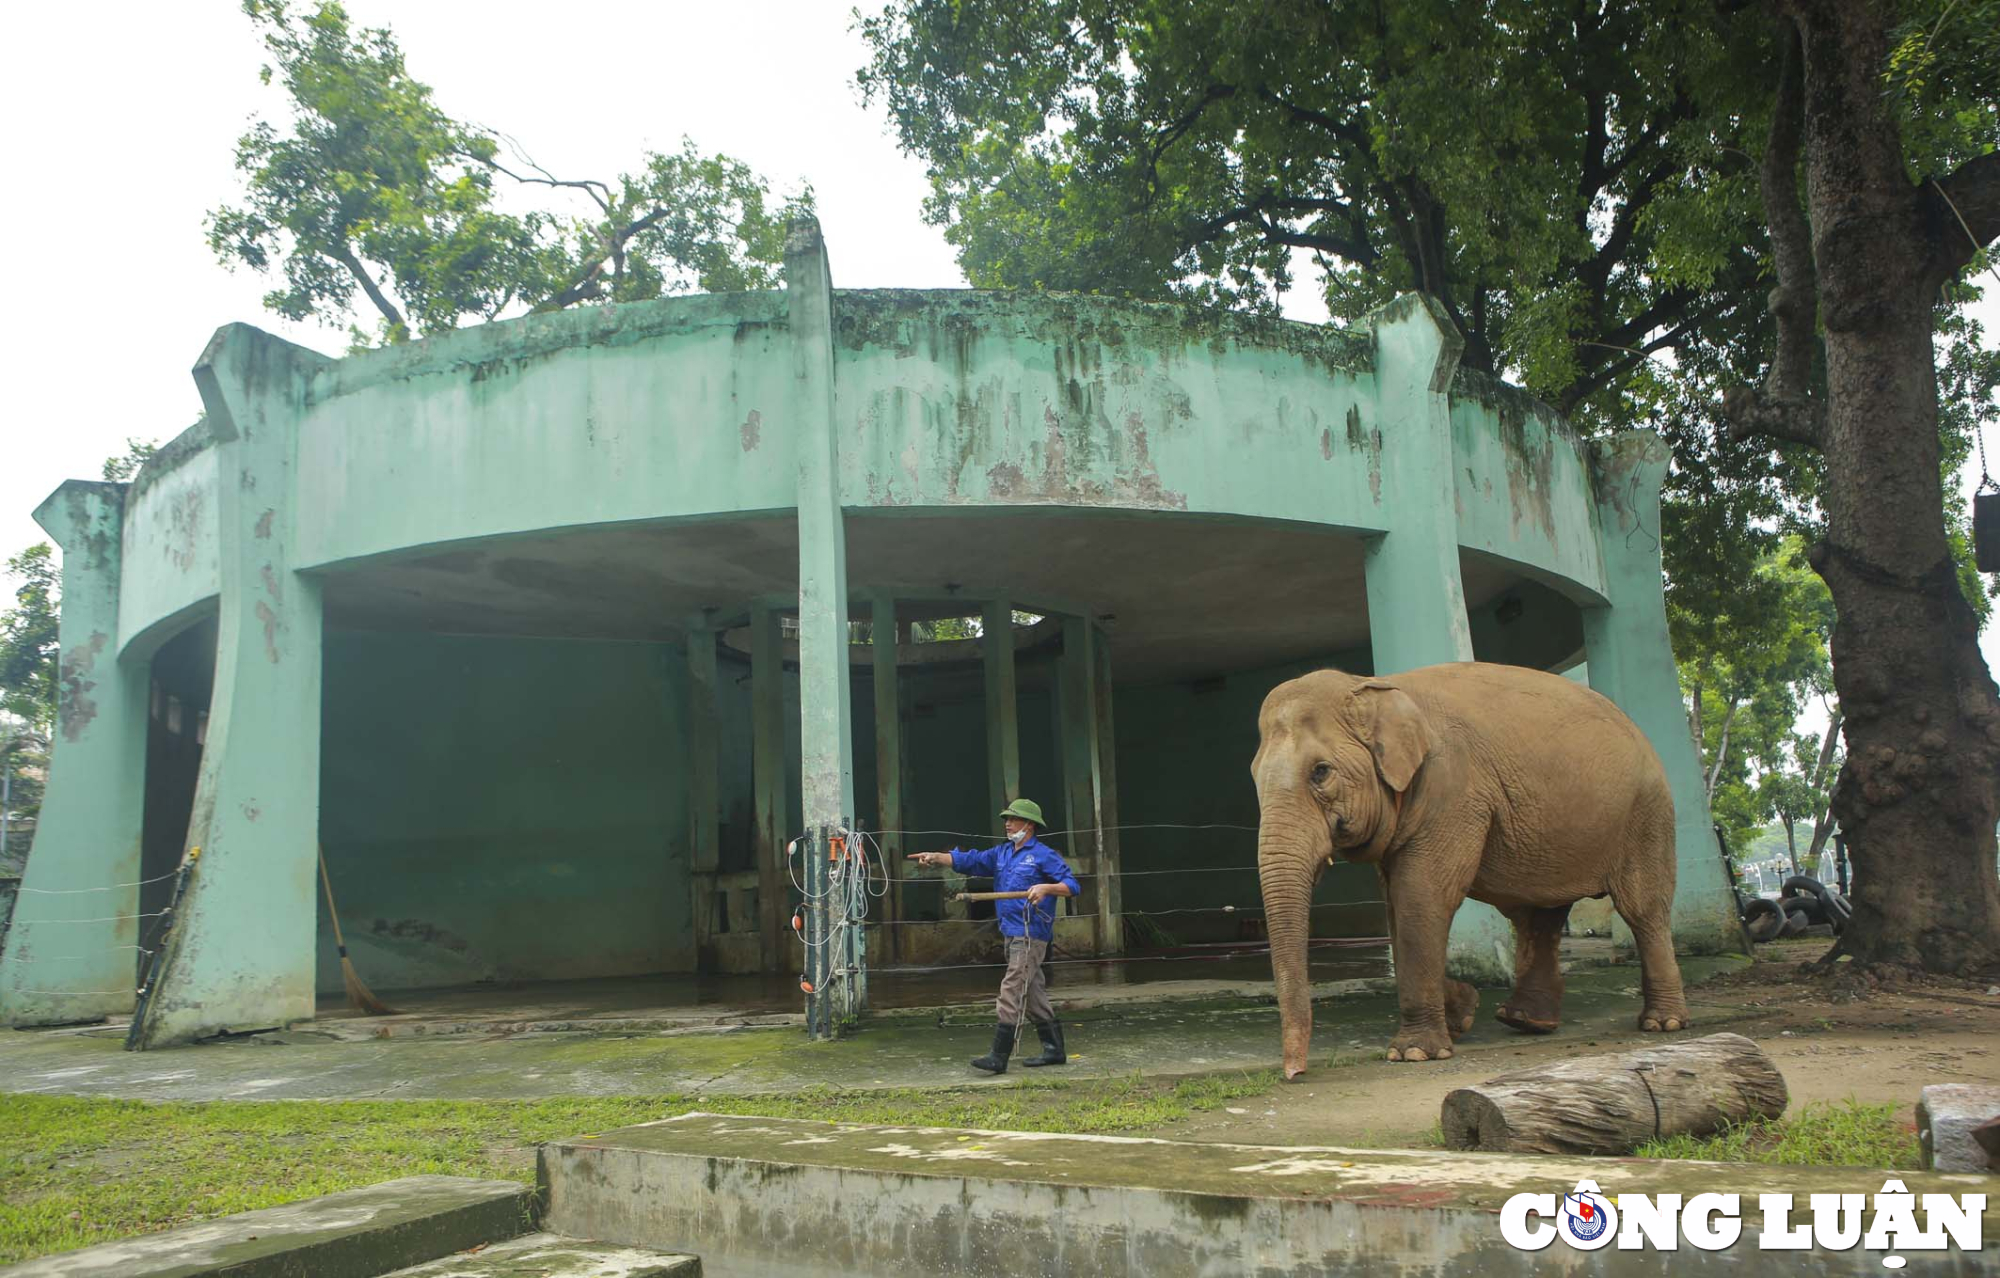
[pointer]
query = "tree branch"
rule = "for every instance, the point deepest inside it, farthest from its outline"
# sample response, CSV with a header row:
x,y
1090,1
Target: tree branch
x,y
585,283
1785,406
1971,195
345,256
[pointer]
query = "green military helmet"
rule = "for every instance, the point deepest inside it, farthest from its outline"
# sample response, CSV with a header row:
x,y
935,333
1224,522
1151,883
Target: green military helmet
x,y
1026,809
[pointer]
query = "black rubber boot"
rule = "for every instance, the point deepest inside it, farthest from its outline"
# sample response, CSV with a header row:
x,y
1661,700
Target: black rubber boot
x,y
995,1061
1050,1033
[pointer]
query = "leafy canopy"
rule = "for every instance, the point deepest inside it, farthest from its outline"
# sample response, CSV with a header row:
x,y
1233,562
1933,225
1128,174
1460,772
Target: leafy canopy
x,y
374,189
28,639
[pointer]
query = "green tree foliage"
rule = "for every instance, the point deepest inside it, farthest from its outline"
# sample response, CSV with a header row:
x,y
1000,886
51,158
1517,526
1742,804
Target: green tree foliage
x,y
375,189
1749,667
126,466
28,640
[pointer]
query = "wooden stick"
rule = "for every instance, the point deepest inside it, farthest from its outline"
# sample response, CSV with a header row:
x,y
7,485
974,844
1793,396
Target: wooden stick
x,y
1610,1104
991,896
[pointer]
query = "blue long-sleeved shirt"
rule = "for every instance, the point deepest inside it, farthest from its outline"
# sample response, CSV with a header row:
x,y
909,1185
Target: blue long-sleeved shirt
x,y
1016,869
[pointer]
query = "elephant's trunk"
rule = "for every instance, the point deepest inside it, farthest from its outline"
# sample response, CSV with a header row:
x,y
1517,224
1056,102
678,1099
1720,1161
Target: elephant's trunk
x,y
1288,859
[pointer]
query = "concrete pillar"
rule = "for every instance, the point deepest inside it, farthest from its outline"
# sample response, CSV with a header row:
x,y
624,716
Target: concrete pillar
x,y
826,717
1108,887
768,779
1076,678
72,947
888,754
1416,600
1631,661
1003,725
242,952
704,783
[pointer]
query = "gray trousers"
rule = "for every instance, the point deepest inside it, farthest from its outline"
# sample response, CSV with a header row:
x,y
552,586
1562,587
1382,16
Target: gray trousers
x,y
1023,986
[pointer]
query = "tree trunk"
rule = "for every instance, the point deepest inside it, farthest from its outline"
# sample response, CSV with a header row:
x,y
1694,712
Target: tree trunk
x,y
1791,843
1721,750
1822,813
1916,796
1611,1104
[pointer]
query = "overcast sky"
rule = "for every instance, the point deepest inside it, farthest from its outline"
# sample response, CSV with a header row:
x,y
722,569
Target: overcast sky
x,y
121,119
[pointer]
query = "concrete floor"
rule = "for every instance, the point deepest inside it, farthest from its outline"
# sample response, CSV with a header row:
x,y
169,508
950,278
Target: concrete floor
x,y
627,1004
1164,1031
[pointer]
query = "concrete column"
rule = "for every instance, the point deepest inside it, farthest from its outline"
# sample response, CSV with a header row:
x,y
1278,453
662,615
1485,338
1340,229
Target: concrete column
x,y
768,779
241,955
888,754
71,949
1003,725
825,712
704,783
1416,600
1076,717
1108,888
1631,661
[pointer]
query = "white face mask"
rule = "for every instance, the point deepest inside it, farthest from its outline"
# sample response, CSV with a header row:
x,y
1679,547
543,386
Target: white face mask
x,y
1018,836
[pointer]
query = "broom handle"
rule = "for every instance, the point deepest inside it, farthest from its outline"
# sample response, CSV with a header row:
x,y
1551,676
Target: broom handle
x,y
339,941
991,896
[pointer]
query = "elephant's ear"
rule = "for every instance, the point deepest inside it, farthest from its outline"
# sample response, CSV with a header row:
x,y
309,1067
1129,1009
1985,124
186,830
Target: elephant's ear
x,y
1395,731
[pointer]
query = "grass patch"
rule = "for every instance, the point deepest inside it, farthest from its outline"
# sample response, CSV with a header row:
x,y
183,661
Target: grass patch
x,y
76,1171
1819,1134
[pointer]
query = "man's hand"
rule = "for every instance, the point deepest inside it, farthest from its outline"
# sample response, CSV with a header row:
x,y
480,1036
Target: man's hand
x,y
1041,891
930,858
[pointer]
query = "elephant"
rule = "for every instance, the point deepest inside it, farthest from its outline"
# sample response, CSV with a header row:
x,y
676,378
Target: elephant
x,y
1512,786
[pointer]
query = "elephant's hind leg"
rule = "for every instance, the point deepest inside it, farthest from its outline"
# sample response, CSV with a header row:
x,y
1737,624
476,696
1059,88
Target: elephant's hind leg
x,y
1644,897
1535,1006
1461,1006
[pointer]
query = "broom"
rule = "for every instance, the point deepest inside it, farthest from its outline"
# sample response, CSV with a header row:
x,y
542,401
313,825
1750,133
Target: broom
x,y
358,992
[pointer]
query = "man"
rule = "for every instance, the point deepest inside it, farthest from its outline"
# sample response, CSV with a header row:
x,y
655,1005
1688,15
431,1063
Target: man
x,y
1022,864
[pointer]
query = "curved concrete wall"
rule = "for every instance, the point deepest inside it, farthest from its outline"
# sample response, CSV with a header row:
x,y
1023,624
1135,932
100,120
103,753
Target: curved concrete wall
x,y
688,408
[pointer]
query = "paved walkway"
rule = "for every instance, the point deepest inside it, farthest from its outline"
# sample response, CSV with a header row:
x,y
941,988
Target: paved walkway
x,y
1155,1038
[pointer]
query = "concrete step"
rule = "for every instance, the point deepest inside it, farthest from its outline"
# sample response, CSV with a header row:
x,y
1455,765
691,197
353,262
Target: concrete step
x,y
554,1256
361,1233
772,1196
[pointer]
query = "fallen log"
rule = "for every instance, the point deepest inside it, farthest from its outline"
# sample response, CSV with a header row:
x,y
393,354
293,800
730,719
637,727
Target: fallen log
x,y
1613,1103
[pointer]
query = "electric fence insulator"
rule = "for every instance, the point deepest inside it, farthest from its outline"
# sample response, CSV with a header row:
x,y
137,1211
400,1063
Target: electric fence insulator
x,y
807,986
798,923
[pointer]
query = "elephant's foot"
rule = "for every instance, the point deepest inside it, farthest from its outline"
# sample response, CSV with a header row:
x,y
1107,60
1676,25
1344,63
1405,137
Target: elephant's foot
x,y
1420,1045
1531,1011
1461,1005
1665,1018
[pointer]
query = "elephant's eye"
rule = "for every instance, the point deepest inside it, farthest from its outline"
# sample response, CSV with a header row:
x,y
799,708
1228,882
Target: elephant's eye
x,y
1321,772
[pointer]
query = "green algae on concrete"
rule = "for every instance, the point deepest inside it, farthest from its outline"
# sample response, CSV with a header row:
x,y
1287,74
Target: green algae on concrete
x,y
553,1256
803,1197
359,1233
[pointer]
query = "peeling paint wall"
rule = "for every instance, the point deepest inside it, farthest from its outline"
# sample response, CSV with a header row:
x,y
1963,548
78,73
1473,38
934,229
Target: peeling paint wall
x,y
503,809
676,407
171,543
1523,483
954,398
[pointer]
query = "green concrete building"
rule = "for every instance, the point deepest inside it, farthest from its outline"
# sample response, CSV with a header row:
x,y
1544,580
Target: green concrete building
x,y
555,632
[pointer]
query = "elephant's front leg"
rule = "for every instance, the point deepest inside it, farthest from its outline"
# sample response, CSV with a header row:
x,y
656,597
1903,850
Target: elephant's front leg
x,y
1422,910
